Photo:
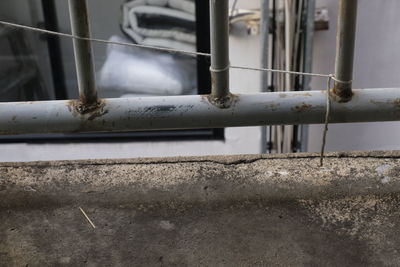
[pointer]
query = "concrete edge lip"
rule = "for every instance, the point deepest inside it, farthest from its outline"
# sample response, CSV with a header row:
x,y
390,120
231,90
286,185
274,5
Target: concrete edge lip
x,y
222,159
198,179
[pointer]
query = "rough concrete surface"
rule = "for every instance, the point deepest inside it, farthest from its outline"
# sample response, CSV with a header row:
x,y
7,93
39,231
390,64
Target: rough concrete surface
x,y
209,211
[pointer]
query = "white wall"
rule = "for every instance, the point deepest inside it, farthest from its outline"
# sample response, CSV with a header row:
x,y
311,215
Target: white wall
x,y
377,64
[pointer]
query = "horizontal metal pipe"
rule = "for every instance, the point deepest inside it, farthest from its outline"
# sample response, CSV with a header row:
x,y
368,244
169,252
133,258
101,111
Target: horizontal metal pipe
x,y
195,111
83,51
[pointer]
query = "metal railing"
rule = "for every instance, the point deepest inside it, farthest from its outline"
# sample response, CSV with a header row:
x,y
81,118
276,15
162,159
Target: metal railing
x,y
219,109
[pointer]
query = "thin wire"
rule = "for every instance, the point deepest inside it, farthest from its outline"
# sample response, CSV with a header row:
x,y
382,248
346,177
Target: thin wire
x,y
170,50
327,114
283,71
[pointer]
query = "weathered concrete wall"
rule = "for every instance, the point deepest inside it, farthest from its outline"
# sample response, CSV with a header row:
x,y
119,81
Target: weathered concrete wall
x,y
224,211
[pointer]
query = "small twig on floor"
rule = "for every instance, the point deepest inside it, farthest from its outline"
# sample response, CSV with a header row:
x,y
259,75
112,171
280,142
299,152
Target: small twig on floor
x,y
87,218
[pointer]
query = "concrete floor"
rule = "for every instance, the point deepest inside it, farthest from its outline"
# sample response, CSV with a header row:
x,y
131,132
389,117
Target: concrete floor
x,y
209,211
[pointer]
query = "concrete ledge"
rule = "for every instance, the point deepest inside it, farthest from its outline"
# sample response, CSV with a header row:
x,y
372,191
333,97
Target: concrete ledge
x,y
209,211
198,179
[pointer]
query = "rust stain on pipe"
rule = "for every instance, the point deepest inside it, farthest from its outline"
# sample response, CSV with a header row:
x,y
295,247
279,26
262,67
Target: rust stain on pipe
x,y
92,111
301,108
226,102
282,95
342,91
395,103
273,106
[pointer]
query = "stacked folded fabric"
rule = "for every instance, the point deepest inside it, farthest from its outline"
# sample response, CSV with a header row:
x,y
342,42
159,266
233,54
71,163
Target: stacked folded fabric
x,y
130,71
166,23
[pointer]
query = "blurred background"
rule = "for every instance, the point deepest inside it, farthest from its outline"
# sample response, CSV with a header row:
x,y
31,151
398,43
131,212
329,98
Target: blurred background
x,y
36,66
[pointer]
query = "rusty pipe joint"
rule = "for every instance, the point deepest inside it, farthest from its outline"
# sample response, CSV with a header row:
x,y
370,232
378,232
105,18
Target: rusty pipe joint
x,y
220,95
342,90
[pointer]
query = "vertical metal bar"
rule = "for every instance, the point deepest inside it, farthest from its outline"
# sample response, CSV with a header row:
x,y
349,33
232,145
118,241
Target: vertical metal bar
x,y
308,58
345,40
219,29
264,63
79,16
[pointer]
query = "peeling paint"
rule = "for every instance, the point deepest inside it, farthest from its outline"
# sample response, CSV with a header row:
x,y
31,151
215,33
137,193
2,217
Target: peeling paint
x,y
273,106
301,108
226,102
160,108
93,111
395,102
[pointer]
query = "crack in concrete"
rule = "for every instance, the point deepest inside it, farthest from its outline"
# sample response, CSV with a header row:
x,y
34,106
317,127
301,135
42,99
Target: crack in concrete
x,y
149,161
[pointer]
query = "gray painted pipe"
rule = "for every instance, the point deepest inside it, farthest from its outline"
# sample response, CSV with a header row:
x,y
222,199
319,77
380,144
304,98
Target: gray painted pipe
x,y
264,36
195,111
219,29
83,51
345,41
